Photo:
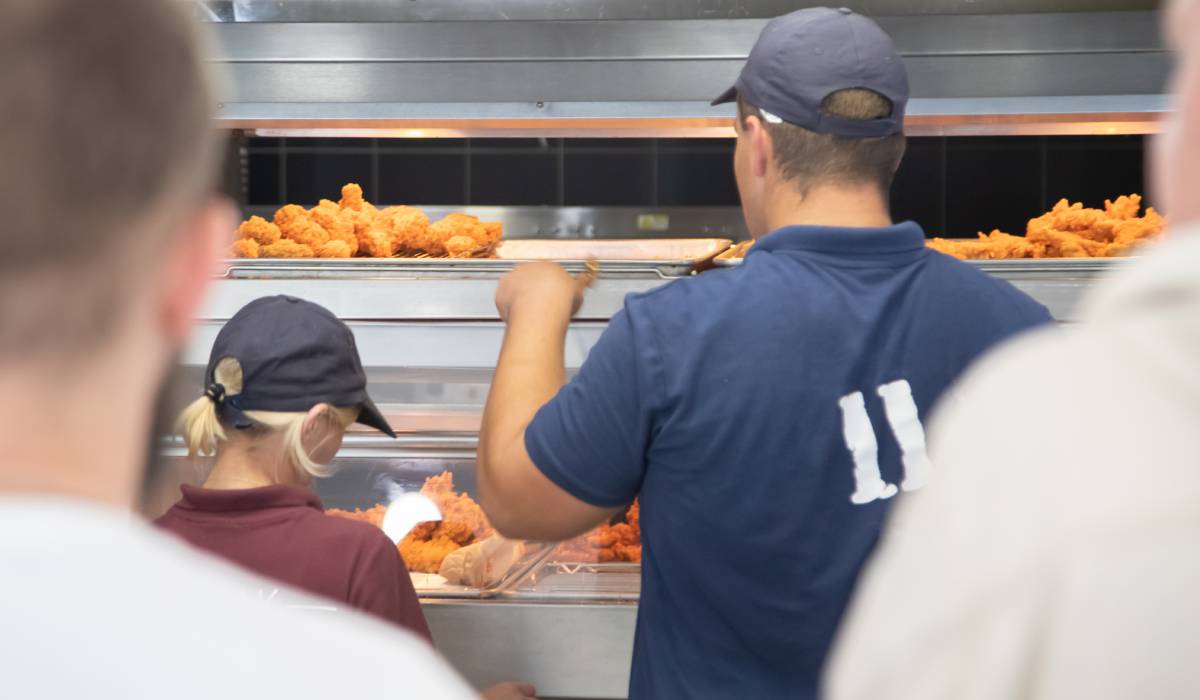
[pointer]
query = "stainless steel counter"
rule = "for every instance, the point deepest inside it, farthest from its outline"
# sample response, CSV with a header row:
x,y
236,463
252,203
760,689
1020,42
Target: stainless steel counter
x,y
566,650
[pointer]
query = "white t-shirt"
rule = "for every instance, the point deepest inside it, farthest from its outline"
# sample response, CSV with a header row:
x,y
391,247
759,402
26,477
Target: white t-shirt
x,y
1055,552
96,604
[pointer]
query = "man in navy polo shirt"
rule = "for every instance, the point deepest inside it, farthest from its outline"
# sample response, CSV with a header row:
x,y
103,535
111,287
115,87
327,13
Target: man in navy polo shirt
x,y
766,415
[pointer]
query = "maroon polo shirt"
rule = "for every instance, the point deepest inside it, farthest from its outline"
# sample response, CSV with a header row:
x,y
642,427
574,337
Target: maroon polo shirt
x,y
282,532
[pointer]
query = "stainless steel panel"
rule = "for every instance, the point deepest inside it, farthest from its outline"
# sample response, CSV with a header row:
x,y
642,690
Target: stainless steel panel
x,y
448,42
407,299
501,10
567,651
958,76
420,345
651,77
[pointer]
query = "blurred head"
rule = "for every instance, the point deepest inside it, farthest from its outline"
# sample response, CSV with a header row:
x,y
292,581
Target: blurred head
x,y
1176,153
299,445
107,223
776,159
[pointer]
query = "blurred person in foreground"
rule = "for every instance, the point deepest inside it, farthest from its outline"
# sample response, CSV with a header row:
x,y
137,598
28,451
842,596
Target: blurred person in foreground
x,y
766,416
109,232
1054,553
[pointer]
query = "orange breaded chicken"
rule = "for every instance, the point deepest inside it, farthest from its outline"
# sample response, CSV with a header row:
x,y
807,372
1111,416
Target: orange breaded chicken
x,y
290,216
285,248
244,248
996,245
352,197
307,232
461,247
374,237
373,515
259,230
338,223
462,523
407,227
333,249
451,226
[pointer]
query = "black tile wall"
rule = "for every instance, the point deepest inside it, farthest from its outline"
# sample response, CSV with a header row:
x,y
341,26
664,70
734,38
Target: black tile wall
x,y
313,176
518,179
422,178
264,179
951,186
1092,170
992,183
918,192
595,178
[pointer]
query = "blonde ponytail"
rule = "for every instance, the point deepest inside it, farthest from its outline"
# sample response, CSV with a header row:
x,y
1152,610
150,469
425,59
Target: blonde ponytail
x,y
203,433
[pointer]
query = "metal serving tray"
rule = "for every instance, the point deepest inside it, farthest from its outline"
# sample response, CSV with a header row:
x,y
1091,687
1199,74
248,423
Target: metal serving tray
x,y
555,580
1057,267
660,258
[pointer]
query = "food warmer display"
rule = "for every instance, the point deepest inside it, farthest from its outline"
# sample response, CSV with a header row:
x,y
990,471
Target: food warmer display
x,y
562,614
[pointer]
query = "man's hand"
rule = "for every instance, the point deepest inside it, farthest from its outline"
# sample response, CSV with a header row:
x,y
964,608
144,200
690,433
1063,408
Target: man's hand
x,y
542,288
510,691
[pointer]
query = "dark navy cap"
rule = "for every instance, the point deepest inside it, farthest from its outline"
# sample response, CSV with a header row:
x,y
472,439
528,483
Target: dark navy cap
x,y
803,57
294,355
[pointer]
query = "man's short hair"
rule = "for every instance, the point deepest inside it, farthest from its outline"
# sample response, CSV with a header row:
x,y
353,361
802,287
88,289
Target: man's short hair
x,y
808,158
106,146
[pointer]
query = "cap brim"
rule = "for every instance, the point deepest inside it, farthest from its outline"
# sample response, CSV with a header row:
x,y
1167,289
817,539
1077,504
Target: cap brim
x,y
370,416
726,97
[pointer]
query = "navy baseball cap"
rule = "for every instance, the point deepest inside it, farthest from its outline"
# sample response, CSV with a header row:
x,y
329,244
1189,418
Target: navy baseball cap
x,y
294,355
803,57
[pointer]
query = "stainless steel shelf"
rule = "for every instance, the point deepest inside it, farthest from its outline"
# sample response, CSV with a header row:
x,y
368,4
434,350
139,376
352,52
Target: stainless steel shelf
x,y
1048,73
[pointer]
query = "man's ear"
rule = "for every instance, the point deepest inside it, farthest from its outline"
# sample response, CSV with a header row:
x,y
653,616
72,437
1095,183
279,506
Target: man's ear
x,y
189,266
762,149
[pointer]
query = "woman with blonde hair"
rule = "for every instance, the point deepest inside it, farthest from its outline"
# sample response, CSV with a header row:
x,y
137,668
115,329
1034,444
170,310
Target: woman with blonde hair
x,y
283,384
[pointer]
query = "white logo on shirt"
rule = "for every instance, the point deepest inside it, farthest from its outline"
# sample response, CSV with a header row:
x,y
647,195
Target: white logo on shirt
x,y
906,426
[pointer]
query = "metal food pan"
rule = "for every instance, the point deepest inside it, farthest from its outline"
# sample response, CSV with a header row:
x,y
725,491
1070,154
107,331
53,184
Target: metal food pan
x,y
660,258
1019,266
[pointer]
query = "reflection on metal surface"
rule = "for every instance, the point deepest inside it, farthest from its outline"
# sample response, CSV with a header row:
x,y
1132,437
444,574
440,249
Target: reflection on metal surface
x,y
654,77
512,10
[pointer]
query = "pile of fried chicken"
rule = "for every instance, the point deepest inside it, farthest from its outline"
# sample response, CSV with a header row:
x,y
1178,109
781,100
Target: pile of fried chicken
x,y
1066,231
621,542
355,227
424,548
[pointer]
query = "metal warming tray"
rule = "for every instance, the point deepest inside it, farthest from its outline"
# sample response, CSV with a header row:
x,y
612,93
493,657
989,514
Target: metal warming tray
x,y
662,258
553,580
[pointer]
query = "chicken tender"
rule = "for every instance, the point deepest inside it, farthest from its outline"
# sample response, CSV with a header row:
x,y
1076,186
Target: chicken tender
x,y
285,248
259,230
290,216
244,248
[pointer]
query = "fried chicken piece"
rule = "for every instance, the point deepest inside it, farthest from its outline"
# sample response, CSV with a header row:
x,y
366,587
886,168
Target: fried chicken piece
x,y
461,247
1064,244
493,231
307,232
333,249
621,542
290,216
244,248
426,556
352,197
259,230
407,227
338,223
1132,232
373,515
453,225
1126,207
285,248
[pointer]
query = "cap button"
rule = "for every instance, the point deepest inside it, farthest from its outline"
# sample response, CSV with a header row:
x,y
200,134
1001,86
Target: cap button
x,y
845,10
